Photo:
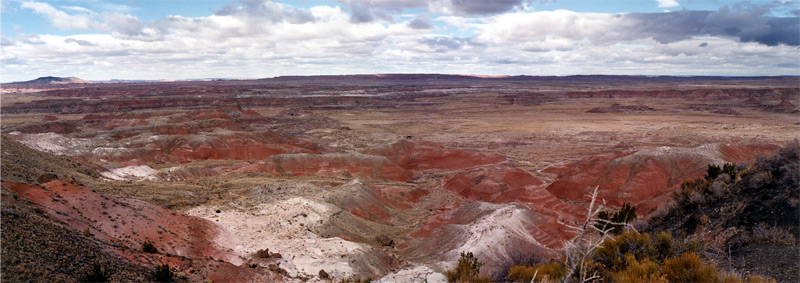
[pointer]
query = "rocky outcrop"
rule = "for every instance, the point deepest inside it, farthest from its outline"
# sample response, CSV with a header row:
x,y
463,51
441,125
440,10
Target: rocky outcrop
x,y
619,108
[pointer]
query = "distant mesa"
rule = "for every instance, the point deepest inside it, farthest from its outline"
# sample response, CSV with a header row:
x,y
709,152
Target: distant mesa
x,y
619,108
54,80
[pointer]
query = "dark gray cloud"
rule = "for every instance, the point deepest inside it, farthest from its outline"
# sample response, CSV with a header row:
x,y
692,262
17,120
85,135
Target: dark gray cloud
x,y
704,44
747,23
266,11
124,24
482,7
422,21
79,42
445,44
364,11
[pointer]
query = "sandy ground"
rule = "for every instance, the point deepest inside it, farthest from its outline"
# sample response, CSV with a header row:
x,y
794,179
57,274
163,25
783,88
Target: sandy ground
x,y
55,143
415,274
289,227
132,173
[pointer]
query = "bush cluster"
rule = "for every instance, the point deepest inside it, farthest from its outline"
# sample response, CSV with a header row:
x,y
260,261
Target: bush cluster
x,y
163,274
616,220
637,257
468,269
148,247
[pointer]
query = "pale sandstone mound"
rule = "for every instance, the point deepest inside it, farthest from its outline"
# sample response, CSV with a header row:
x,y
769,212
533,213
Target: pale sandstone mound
x,y
132,173
424,155
416,274
287,219
363,201
493,232
645,178
335,164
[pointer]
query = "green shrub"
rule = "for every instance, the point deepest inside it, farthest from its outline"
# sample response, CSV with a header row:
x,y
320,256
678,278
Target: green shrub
x,y
626,214
96,274
689,268
664,246
731,170
468,269
692,188
163,274
148,247
713,172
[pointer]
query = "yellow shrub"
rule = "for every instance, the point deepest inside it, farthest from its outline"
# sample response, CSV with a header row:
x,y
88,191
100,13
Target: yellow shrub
x,y
689,268
730,277
468,269
644,271
759,279
551,271
611,253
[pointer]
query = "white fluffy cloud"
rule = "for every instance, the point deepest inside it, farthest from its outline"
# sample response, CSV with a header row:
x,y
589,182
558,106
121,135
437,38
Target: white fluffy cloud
x,y
667,3
261,38
82,20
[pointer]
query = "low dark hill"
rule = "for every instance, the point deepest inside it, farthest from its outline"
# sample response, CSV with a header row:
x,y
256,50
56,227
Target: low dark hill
x,y
22,164
50,79
751,224
37,248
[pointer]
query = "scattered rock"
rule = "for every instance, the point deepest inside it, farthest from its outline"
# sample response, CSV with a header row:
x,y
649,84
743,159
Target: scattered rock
x,y
323,274
263,253
45,178
384,240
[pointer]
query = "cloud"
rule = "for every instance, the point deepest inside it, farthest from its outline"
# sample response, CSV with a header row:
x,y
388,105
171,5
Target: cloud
x,y
363,11
266,11
240,39
63,20
748,24
480,7
423,21
123,24
443,44
79,42
667,3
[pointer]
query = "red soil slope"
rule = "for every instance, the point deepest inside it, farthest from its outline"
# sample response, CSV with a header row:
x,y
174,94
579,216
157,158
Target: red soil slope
x,y
358,165
183,242
126,221
645,178
505,184
424,155
487,182
185,148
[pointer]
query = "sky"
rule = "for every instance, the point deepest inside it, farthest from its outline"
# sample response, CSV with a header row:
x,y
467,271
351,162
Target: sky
x,y
180,39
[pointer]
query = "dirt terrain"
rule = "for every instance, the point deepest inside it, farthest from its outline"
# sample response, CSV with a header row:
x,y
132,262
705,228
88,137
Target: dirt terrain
x,y
388,177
